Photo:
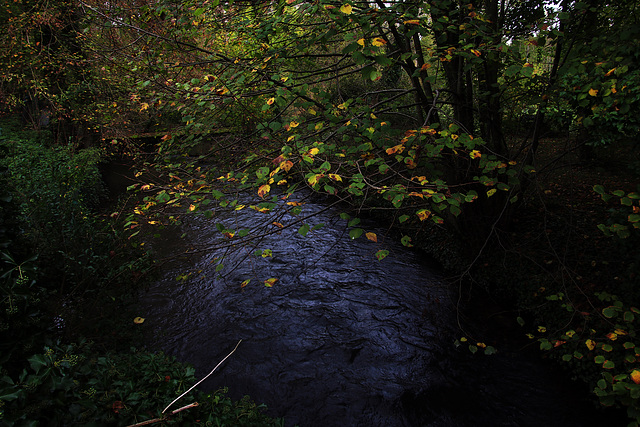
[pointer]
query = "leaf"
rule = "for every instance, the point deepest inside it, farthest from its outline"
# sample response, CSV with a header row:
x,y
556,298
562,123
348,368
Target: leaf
x,y
304,230
138,320
245,283
412,22
264,190
593,92
355,233
372,236
491,192
270,282
347,9
286,165
382,254
423,214
635,376
609,312
378,42
406,241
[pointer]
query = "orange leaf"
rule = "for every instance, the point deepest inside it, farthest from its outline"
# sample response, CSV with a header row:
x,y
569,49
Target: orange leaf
x,y
372,237
593,92
277,224
378,42
635,376
395,149
286,165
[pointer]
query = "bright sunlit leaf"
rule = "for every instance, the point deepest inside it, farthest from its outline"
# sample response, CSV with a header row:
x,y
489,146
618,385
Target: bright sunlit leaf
x,y
346,9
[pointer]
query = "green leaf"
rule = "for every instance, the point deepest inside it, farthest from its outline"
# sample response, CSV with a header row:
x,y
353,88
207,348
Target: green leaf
x,y
355,233
406,241
520,321
403,218
608,365
609,312
304,229
490,350
382,254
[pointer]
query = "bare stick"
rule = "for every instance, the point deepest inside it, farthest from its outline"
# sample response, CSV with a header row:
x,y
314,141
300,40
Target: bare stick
x,y
207,376
157,420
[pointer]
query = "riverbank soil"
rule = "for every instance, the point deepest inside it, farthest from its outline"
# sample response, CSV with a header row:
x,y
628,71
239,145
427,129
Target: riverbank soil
x,y
543,276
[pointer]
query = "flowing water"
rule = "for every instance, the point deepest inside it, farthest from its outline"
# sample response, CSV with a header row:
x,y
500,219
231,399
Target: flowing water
x,y
340,339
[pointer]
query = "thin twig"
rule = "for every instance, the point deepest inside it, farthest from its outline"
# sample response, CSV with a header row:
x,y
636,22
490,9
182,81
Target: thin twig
x,y
157,420
207,376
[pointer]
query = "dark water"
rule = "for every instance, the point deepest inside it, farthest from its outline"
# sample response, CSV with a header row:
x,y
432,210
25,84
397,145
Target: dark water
x,y
341,339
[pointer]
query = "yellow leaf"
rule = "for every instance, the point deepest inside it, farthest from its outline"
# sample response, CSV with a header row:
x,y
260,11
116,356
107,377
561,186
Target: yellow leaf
x,y
475,154
593,92
313,151
144,106
270,101
269,282
294,124
239,207
313,180
346,9
295,203
138,320
335,177
378,42
423,214
245,283
591,344
361,42
192,208
312,111
264,190
412,22
372,237
491,192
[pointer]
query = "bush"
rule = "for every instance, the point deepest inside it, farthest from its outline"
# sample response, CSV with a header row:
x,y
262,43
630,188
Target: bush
x,y
72,385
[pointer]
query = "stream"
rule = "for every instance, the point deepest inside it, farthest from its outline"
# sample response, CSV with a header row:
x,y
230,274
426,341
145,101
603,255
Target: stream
x,y
341,338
